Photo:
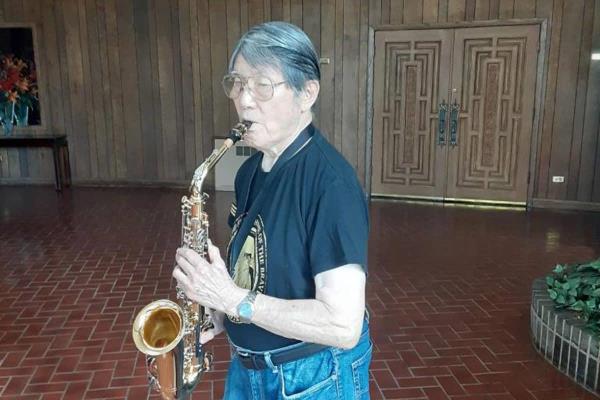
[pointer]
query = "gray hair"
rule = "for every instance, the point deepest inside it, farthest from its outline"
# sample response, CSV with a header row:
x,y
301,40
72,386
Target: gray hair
x,y
281,45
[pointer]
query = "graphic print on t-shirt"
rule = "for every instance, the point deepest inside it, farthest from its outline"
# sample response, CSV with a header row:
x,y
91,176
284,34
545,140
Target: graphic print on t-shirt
x,y
250,269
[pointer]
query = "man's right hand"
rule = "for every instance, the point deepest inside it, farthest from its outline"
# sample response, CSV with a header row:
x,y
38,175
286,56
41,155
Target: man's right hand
x,y
217,320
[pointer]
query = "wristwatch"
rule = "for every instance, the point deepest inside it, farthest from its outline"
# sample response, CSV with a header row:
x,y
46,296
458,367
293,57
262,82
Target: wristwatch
x,y
245,309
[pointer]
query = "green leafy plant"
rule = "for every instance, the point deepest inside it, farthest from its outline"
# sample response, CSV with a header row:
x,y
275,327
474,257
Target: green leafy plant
x,y
577,287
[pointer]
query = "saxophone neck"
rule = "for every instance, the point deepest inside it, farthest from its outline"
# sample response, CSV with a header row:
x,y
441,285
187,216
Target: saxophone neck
x,y
199,176
202,171
235,134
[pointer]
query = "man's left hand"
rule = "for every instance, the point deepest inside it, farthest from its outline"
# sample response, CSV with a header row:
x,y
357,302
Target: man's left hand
x,y
207,281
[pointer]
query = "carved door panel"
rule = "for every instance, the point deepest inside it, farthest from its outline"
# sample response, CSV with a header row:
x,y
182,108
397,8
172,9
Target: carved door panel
x,y
411,77
494,73
453,112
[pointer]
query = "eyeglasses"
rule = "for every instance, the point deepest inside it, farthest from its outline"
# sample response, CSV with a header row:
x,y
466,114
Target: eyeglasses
x,y
260,87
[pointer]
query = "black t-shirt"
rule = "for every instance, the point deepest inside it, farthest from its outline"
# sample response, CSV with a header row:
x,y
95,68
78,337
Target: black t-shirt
x,y
257,184
308,215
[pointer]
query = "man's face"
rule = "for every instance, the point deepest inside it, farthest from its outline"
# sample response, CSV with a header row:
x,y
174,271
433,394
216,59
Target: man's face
x,y
275,120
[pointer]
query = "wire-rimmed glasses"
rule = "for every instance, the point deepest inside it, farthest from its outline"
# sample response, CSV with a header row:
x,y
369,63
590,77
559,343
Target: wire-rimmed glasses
x,y
260,87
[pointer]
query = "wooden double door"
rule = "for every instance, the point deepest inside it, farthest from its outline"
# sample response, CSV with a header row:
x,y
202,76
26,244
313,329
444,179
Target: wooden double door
x,y
453,112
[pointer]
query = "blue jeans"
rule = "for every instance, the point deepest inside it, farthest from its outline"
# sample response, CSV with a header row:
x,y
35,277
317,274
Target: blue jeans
x,y
329,375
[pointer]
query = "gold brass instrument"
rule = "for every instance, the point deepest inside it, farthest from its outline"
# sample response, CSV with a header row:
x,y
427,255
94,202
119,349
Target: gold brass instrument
x,y
168,333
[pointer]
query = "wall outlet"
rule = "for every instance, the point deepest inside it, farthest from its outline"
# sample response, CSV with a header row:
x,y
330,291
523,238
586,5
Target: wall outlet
x,y
558,179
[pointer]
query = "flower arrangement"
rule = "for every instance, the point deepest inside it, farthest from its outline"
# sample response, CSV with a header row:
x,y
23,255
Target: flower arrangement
x,y
18,90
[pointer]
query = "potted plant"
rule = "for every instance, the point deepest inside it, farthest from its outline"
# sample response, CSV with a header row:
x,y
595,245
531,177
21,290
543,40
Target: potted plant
x,y
576,287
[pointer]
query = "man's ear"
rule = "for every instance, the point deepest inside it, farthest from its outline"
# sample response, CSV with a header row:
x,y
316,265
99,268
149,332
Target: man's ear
x,y
310,94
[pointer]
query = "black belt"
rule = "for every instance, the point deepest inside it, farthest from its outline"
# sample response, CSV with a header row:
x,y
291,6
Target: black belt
x,y
278,357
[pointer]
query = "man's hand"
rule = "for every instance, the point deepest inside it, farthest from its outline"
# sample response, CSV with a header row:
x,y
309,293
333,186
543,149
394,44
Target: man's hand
x,y
207,281
217,318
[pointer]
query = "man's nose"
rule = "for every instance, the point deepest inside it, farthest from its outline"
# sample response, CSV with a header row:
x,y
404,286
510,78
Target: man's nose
x,y
246,99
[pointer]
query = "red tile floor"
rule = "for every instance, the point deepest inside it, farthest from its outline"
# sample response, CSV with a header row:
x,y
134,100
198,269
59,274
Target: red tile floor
x,y
448,291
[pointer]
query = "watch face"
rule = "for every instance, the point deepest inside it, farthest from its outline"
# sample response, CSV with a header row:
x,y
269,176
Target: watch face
x,y
245,310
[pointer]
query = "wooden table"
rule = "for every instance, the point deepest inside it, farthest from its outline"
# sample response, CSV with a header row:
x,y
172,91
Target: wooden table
x,y
60,153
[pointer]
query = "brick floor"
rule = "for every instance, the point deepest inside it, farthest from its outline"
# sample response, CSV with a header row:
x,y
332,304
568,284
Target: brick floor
x,y
448,291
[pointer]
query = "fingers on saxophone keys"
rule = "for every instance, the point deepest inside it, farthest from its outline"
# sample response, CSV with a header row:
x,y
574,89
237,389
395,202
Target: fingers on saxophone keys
x,y
183,261
192,258
181,277
214,253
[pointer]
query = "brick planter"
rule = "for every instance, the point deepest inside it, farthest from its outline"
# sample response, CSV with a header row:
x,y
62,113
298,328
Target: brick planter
x,y
562,339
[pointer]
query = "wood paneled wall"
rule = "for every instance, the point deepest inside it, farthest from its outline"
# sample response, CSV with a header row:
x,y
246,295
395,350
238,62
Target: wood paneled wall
x,y
135,84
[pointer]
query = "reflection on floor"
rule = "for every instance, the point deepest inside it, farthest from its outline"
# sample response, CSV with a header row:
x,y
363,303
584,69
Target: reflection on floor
x,y
448,291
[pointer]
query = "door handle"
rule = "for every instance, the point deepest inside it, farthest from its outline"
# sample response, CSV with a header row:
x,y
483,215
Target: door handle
x,y
454,123
443,110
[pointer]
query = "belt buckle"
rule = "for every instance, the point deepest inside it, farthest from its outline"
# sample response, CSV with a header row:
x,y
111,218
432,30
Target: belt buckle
x,y
251,360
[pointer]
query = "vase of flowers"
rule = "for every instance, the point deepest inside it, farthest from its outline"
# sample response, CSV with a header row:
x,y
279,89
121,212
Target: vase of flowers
x,y
7,113
18,91
22,113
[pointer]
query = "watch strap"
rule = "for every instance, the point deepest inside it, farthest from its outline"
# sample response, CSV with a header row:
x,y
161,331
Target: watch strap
x,y
247,301
250,297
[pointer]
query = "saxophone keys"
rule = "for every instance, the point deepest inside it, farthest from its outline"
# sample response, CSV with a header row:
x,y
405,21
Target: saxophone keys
x,y
207,362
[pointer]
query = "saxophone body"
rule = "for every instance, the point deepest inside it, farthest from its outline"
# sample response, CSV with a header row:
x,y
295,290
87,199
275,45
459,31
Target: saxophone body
x,y
168,332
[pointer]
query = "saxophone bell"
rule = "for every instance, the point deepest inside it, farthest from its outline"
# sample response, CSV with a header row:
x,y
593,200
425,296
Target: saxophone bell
x,y
157,332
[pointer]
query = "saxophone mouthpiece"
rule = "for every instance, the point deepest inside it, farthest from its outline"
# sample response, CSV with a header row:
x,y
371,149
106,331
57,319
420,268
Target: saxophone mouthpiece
x,y
238,131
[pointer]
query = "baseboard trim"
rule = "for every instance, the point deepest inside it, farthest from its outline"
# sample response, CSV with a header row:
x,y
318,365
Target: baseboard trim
x,y
565,205
535,203
98,183
450,202
22,182
132,184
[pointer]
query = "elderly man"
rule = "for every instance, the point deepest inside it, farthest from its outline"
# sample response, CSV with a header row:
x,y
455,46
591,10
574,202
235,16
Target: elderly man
x,y
291,295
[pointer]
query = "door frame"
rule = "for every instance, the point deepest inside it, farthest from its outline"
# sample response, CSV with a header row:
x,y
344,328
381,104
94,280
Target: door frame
x,y
538,111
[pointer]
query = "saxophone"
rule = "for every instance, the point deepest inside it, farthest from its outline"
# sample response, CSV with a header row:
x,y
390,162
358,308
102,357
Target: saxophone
x,y
168,333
